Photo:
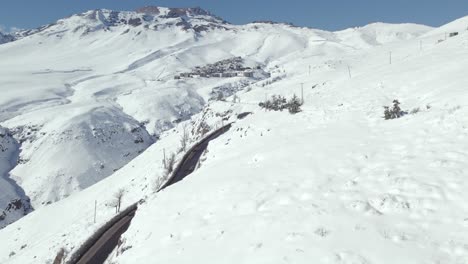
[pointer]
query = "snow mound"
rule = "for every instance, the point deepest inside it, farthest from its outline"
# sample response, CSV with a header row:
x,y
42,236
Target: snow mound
x,y
382,33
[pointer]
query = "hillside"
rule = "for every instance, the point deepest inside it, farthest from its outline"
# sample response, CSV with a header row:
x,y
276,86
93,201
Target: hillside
x,y
90,105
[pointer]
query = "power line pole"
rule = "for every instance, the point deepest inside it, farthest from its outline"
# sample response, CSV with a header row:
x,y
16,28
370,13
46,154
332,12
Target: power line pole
x,y
95,207
349,71
390,57
302,93
164,157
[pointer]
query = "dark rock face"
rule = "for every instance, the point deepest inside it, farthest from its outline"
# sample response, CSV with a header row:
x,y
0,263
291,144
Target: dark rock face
x,y
179,12
22,206
14,203
5,38
134,22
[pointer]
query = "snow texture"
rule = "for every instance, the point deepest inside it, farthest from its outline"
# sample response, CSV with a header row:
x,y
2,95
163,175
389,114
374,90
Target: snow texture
x,y
92,106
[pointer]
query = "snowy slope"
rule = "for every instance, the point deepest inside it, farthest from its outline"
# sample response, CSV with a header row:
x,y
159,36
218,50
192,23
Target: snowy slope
x,y
382,33
99,88
335,183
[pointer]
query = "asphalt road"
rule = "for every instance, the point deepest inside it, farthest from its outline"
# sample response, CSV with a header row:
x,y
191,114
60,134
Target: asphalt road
x,y
102,246
101,249
191,158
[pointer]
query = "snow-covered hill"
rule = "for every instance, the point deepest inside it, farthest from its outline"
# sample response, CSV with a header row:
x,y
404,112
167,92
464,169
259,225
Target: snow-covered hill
x,y
85,95
84,99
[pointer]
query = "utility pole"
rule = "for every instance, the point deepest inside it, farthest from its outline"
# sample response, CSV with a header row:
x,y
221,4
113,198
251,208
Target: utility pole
x,y
349,71
95,207
390,57
302,93
164,158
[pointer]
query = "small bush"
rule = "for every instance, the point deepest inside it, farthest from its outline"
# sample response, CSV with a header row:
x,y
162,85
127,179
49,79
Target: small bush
x,y
280,103
203,128
415,110
394,111
294,105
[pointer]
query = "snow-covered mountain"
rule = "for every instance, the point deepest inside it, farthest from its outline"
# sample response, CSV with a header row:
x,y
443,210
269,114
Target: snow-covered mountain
x,y
90,104
4,38
96,89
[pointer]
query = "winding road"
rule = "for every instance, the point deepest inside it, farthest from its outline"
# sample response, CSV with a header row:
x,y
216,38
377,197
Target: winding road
x,y
105,240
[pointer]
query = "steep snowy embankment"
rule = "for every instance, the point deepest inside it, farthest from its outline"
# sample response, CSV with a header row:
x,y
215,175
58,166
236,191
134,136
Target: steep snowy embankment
x,y
334,184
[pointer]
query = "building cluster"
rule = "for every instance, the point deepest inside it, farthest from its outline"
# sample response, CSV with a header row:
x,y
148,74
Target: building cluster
x,y
451,34
233,67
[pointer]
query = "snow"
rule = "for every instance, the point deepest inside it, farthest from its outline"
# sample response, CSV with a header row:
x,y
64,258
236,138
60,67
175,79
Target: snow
x,y
93,106
334,184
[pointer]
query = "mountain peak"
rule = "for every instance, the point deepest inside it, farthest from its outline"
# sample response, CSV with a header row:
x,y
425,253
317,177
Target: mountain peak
x,y
174,12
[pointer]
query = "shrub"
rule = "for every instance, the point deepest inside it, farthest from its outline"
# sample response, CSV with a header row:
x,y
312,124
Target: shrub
x,y
280,103
415,110
294,105
203,128
184,139
394,111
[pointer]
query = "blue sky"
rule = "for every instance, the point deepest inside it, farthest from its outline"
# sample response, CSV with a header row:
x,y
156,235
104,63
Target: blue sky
x,y
322,14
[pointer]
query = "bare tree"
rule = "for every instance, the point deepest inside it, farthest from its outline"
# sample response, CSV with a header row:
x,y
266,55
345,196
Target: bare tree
x,y
203,128
168,169
60,257
184,139
118,196
170,163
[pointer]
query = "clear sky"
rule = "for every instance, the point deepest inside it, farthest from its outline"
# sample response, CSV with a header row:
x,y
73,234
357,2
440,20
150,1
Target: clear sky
x,y
322,14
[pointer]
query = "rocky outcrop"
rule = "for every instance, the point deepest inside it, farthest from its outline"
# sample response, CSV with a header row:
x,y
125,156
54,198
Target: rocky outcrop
x,y
14,204
5,38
